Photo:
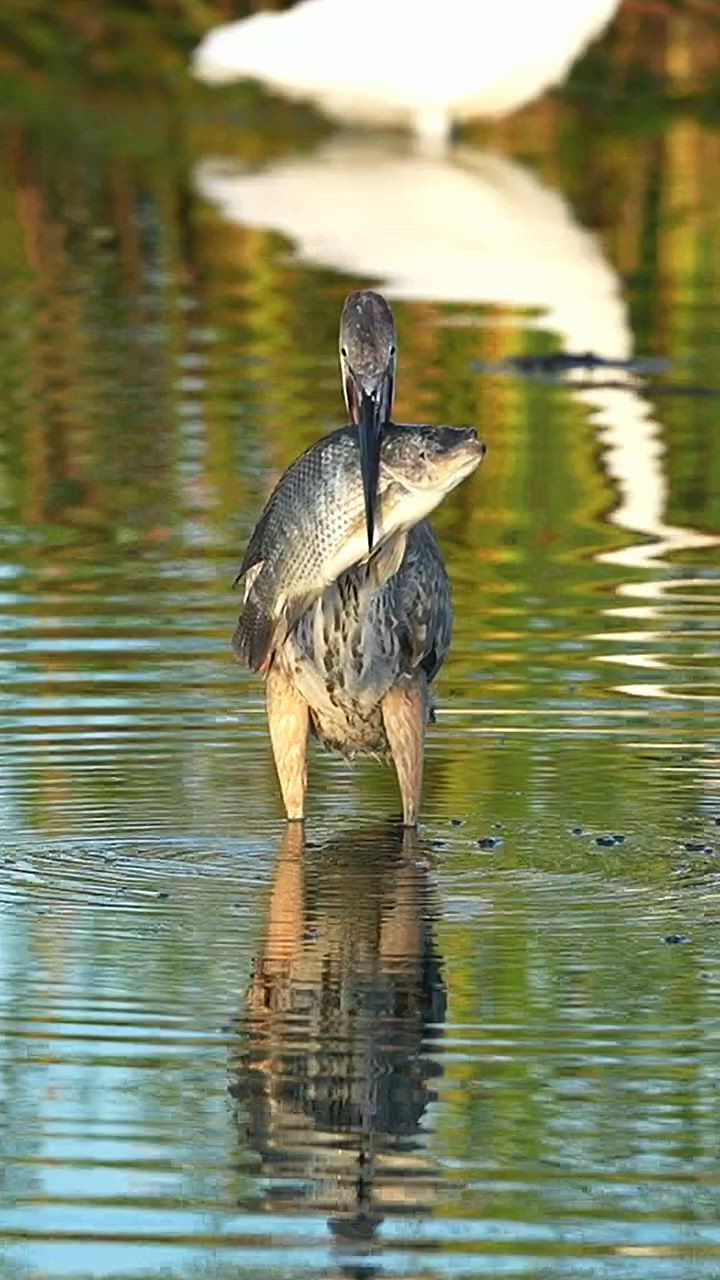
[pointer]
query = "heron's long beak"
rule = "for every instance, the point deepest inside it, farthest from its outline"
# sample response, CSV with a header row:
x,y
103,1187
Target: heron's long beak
x,y
374,402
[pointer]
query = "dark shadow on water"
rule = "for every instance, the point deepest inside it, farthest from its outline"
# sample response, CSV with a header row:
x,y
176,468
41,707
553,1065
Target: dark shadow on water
x,y
334,1069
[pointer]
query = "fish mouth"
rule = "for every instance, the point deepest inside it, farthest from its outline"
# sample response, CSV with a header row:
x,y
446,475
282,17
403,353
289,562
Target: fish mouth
x,y
474,453
475,457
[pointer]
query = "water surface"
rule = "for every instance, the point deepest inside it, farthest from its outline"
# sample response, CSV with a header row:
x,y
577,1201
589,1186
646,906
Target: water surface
x,y
492,1049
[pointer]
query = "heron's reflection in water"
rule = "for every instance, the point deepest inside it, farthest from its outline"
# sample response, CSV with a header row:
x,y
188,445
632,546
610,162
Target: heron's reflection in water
x,y
337,1062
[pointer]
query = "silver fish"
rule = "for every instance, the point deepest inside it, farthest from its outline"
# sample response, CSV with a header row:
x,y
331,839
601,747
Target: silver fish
x,y
313,527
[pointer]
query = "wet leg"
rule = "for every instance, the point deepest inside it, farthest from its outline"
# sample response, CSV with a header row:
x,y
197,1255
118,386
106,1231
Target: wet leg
x,y
404,715
288,721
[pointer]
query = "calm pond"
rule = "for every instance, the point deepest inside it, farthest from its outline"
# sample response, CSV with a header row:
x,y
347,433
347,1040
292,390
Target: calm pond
x,y
491,1050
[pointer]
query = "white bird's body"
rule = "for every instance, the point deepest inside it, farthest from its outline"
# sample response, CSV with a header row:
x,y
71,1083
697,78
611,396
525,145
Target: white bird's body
x,y
418,63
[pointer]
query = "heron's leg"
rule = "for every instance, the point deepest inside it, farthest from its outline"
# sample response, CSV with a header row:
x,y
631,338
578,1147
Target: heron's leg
x,y
289,722
404,714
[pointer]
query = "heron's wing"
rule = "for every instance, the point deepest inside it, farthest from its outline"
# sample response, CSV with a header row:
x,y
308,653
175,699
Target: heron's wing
x,y
424,601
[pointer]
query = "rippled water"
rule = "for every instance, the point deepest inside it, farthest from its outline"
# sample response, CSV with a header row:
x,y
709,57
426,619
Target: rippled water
x,y
488,1050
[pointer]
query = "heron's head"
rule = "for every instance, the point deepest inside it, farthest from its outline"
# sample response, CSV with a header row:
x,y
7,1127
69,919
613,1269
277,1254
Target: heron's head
x,y
367,352
367,365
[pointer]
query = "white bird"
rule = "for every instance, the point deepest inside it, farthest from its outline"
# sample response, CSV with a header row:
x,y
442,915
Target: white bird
x,y
418,63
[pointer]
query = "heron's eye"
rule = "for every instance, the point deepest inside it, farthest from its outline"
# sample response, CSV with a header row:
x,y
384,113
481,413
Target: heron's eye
x,y
392,351
343,352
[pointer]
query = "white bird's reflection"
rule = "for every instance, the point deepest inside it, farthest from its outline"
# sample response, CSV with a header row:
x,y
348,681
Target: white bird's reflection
x,y
472,228
475,227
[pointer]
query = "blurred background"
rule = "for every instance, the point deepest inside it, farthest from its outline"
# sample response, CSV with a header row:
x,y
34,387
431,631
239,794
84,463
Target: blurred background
x,y
191,1012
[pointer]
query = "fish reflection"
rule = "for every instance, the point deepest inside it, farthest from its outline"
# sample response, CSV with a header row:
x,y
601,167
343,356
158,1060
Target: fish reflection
x,y
336,1066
